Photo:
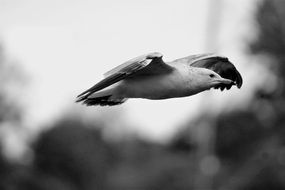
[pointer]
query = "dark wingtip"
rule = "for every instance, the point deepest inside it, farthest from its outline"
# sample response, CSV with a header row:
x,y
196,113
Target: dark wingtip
x,y
80,99
239,80
81,94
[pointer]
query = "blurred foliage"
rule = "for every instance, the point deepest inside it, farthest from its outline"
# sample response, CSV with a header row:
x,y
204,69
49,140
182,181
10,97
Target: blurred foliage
x,y
250,143
73,155
246,149
10,77
74,152
10,110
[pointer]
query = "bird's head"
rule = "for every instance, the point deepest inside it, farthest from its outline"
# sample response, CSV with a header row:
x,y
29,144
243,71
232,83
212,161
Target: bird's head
x,y
223,73
206,79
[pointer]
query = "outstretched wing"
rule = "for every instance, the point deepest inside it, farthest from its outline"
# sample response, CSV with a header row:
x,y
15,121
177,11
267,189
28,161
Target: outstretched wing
x,y
218,64
148,64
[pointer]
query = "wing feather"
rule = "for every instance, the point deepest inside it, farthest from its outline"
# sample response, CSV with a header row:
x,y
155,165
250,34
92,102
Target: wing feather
x,y
129,66
147,64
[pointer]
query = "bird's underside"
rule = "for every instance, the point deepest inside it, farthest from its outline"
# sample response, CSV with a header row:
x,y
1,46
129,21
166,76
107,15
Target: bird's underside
x,y
148,76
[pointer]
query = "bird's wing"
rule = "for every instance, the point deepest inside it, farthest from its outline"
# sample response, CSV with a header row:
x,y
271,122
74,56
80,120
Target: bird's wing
x,y
218,64
148,64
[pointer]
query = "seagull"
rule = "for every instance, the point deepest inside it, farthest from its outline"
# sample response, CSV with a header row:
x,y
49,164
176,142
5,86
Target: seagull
x,y
148,76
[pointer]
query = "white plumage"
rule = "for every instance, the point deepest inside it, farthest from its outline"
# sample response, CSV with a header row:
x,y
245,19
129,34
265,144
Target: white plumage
x,y
148,76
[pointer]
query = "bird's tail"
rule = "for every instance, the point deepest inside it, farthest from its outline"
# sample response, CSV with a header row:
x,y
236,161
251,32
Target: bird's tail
x,y
101,98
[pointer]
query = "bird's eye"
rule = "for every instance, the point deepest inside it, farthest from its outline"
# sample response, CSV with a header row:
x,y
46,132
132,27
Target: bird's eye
x,y
211,75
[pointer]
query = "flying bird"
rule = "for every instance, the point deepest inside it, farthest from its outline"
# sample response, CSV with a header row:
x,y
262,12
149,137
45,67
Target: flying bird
x,y
148,76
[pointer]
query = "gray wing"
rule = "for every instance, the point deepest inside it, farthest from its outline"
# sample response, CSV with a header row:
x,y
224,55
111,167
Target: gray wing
x,y
148,64
218,64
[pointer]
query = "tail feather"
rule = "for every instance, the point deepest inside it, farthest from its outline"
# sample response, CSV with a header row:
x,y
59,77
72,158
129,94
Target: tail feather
x,y
104,97
101,101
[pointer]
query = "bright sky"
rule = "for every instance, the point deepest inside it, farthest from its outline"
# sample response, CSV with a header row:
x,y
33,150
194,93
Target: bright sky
x,y
66,45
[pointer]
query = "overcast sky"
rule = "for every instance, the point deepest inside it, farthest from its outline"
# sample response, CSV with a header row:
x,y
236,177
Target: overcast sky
x,y
66,45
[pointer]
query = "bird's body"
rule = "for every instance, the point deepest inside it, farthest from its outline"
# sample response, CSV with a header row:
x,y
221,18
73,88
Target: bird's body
x,y
149,77
159,86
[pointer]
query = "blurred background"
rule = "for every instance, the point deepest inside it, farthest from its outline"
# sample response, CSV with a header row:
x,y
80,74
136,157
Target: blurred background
x,y
50,51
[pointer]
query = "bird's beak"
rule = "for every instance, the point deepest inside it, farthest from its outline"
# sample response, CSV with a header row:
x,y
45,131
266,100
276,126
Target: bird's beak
x,y
225,81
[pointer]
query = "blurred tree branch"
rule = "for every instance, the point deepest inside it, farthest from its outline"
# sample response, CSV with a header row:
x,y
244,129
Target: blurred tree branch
x,y
12,81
